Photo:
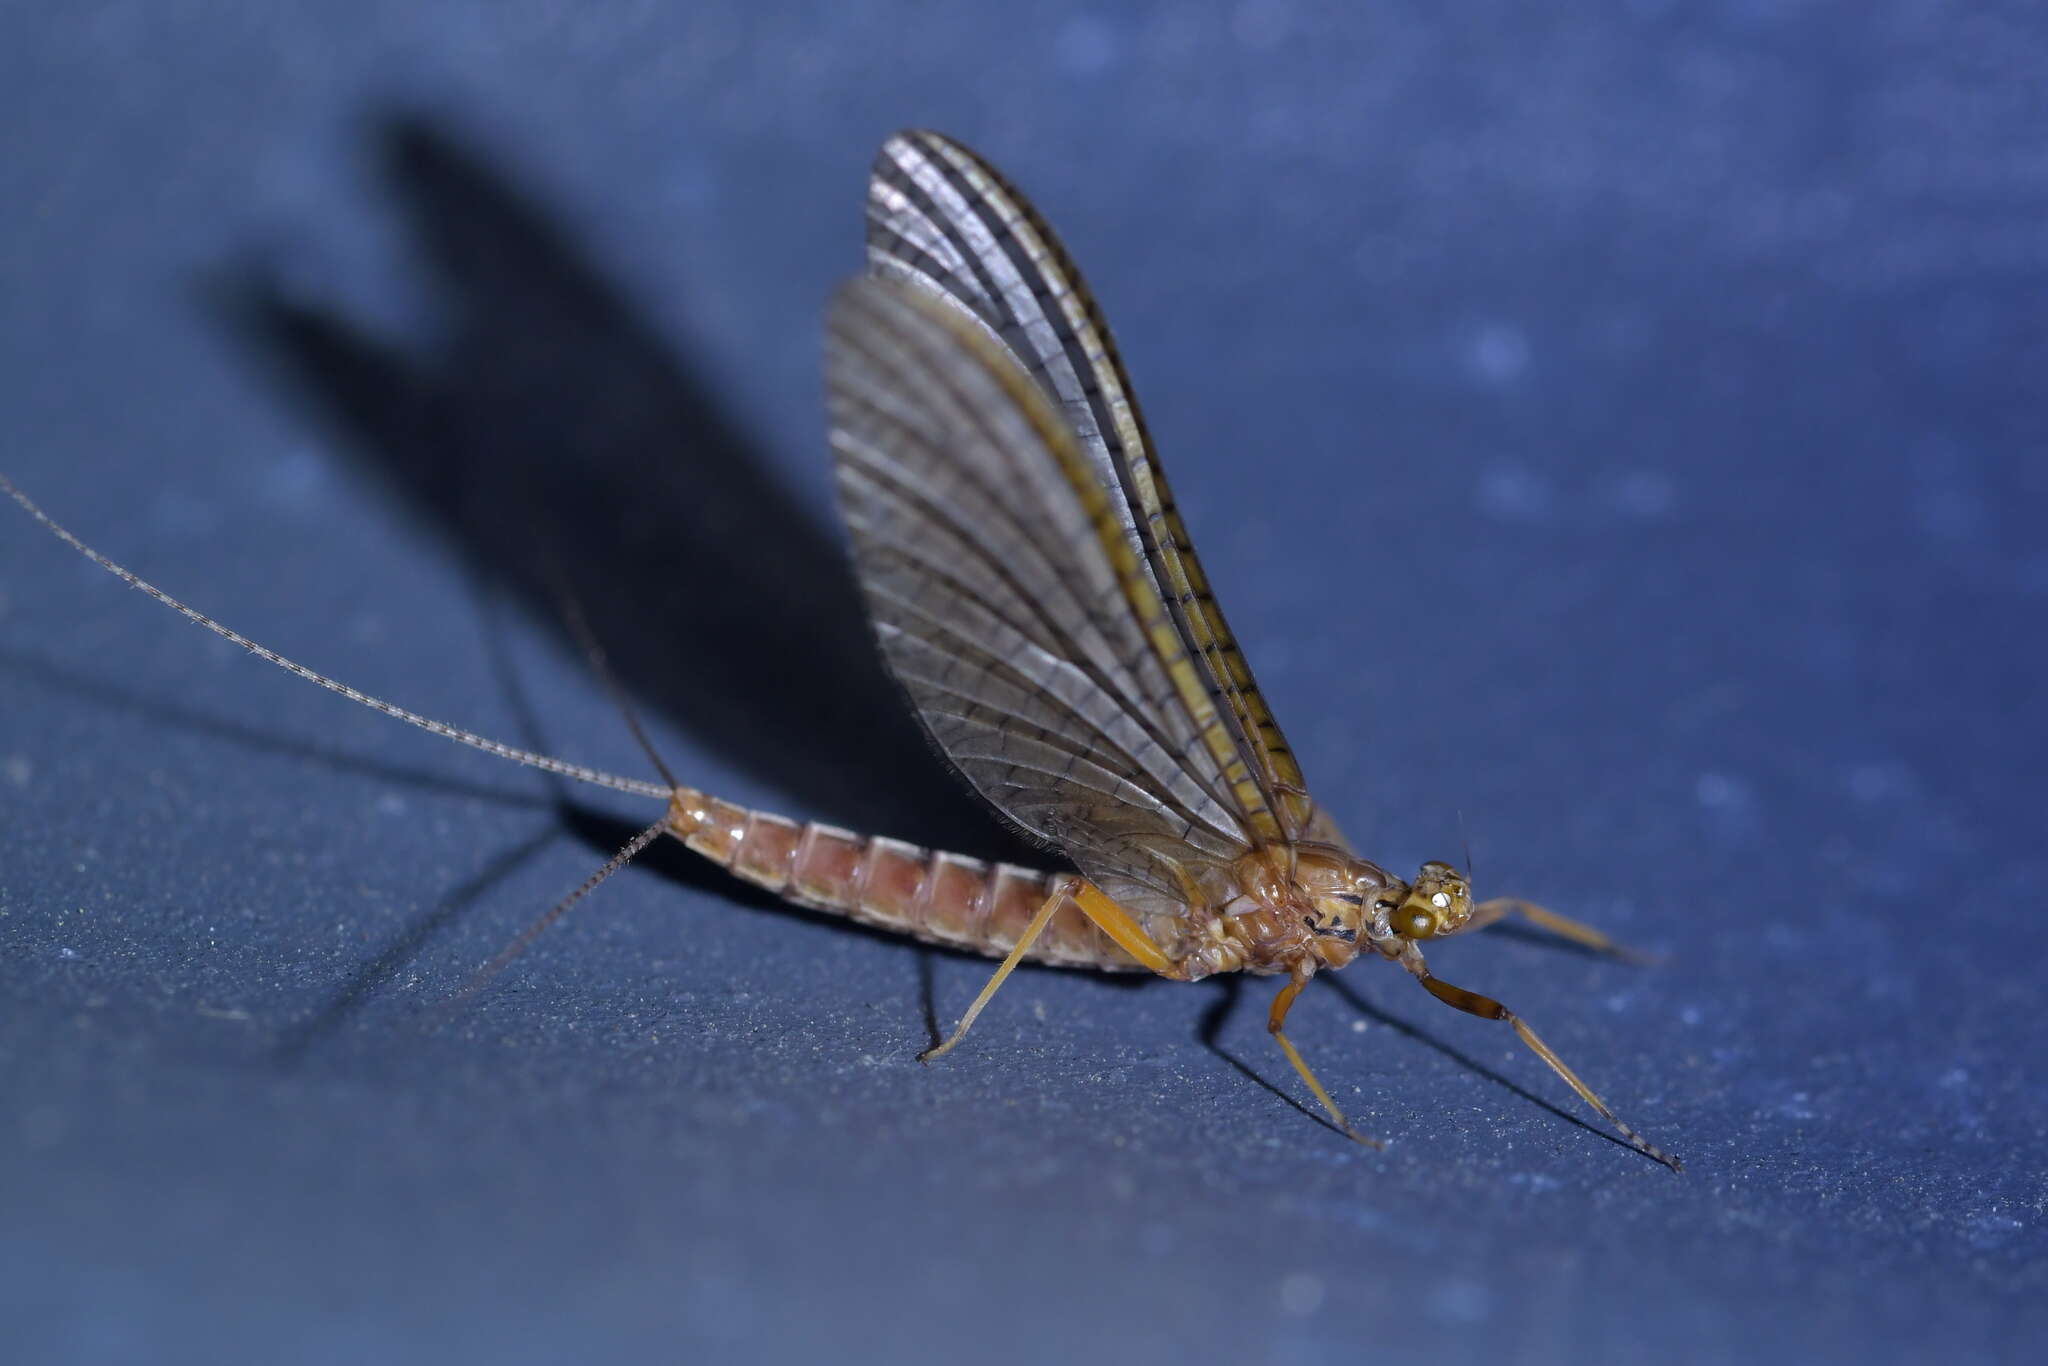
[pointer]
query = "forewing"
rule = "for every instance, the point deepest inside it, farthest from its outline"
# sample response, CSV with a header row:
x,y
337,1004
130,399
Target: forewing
x,y
1010,607
942,219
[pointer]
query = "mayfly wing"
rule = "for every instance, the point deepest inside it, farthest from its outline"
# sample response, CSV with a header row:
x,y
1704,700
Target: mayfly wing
x,y
1012,608
940,218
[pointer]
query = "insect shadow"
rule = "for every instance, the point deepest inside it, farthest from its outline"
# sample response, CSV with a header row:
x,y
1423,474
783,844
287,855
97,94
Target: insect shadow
x,y
1465,1060
564,447
559,443
1230,988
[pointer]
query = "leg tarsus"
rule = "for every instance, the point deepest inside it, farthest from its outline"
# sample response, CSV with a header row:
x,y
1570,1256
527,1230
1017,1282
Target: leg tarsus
x,y
1275,1019
1564,927
1009,963
1486,1008
1114,921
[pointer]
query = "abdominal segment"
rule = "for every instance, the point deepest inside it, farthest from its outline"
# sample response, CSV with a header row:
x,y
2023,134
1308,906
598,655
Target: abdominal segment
x,y
939,897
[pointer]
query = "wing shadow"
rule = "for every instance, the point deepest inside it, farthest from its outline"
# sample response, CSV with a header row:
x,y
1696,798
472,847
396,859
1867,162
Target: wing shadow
x,y
556,440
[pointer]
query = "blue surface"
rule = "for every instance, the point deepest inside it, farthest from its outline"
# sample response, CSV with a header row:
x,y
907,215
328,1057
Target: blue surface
x,y
1618,434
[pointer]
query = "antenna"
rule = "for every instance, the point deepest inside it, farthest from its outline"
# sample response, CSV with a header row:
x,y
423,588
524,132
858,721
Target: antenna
x,y
582,774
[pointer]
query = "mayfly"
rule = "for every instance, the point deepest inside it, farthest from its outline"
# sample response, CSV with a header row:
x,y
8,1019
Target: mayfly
x,y
1032,588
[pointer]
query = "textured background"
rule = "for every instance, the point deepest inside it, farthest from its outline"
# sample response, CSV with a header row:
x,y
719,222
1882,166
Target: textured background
x,y
1616,429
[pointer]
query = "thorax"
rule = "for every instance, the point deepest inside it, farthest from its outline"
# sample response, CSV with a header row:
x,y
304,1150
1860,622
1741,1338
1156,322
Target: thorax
x,y
1291,907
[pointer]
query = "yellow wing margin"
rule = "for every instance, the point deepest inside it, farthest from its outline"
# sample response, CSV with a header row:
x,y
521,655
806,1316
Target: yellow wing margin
x,y
940,217
1056,439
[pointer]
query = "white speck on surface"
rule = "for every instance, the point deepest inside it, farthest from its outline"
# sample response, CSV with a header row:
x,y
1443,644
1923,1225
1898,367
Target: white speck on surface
x,y
691,185
180,514
66,953
1719,791
1878,782
391,804
295,479
1262,25
1952,515
20,770
1948,497
43,1126
1460,1302
1087,45
1759,13
1992,1229
1722,792
1640,495
1511,494
1799,1105
1358,1026
1730,805
1498,352
1301,1292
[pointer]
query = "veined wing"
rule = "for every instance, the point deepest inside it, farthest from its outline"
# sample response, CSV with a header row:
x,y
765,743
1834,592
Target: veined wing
x,y
941,218
1011,606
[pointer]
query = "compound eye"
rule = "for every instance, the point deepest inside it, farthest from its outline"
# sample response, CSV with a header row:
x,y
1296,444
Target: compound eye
x,y
1414,922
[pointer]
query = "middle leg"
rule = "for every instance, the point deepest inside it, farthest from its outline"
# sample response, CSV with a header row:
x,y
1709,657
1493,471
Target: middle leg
x,y
1275,1019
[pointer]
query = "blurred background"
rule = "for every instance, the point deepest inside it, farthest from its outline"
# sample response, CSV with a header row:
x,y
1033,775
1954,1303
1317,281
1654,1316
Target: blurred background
x,y
1616,431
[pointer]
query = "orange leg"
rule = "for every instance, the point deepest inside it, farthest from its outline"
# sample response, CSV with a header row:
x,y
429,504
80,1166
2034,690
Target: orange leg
x,y
1564,927
1486,1008
1275,1018
1009,963
1115,922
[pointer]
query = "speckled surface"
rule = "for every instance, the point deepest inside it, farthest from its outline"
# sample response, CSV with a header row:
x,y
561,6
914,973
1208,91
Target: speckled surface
x,y
1617,434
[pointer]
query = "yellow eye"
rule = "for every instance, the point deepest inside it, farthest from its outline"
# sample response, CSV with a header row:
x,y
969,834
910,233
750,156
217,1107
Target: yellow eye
x,y
1413,922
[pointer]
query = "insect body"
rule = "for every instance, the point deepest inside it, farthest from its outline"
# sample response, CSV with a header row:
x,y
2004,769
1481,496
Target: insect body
x,y
1033,589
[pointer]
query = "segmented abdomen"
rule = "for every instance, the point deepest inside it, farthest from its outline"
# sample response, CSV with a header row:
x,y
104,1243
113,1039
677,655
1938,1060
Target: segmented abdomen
x,y
931,895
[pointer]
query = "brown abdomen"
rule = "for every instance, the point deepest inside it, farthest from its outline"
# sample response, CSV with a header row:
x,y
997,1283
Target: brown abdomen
x,y
931,895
